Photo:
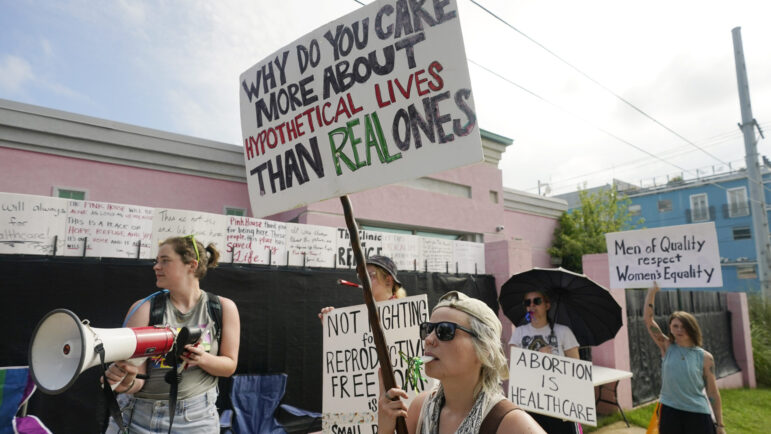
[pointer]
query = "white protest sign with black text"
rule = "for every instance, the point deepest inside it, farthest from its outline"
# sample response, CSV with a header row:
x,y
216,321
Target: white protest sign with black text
x,y
350,383
378,96
30,224
556,386
684,256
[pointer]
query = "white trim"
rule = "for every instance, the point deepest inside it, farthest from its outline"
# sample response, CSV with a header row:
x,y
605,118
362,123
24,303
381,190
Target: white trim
x,y
693,207
739,203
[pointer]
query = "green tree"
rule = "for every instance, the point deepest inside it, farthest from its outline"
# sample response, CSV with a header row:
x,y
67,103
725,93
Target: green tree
x,y
582,230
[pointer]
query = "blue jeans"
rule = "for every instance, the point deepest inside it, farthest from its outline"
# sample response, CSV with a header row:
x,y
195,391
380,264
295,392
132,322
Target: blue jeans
x,y
193,415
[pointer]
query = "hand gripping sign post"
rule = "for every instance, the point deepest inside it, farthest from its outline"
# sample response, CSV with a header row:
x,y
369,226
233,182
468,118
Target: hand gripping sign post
x,y
556,386
684,256
378,96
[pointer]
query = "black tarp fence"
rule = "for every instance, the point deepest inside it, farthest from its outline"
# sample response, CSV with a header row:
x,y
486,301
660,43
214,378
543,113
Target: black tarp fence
x,y
278,306
714,319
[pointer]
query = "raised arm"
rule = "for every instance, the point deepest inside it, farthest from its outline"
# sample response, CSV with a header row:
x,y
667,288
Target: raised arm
x,y
712,391
657,335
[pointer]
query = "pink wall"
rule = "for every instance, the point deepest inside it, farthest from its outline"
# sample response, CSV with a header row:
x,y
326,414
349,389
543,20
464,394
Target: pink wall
x,y
539,230
37,173
615,352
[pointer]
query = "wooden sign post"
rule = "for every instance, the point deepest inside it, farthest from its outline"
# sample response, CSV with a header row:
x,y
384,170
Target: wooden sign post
x,y
386,369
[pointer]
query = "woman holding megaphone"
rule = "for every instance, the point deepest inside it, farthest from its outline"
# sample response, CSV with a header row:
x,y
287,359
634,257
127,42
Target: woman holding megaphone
x,y
180,265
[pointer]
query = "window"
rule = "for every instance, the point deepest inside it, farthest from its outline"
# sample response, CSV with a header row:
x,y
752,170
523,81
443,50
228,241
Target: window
x,y
665,205
493,196
738,206
699,208
746,272
68,193
742,233
634,210
235,211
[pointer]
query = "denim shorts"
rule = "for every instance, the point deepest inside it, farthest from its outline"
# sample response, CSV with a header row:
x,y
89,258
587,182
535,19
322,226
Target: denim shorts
x,y
193,415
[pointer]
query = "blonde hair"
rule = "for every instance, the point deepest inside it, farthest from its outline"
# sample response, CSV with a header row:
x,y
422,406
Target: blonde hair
x,y
396,289
184,247
489,351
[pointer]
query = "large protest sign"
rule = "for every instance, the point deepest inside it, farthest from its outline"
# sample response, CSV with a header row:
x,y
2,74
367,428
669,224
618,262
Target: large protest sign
x,y
350,384
378,96
109,230
30,224
403,249
684,256
556,386
469,256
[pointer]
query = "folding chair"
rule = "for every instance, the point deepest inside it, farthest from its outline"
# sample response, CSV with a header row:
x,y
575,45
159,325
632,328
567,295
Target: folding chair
x,y
17,387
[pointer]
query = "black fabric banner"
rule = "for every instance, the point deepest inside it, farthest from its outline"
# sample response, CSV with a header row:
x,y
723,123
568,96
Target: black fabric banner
x,y
278,306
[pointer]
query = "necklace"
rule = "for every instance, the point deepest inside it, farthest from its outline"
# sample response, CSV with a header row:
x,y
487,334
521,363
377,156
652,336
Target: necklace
x,y
683,351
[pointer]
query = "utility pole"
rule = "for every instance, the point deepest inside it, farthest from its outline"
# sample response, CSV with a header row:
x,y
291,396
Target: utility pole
x,y
754,177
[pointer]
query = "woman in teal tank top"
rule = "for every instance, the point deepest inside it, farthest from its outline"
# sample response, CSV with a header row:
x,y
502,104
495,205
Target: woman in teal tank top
x,y
686,369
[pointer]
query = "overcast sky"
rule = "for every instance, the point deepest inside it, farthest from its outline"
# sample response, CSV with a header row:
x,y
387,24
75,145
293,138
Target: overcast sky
x,y
174,66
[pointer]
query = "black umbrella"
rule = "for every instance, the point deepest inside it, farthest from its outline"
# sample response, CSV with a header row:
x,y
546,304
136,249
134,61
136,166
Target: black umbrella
x,y
576,301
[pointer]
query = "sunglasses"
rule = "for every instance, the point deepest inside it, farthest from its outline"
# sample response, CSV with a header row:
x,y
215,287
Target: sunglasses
x,y
536,301
445,330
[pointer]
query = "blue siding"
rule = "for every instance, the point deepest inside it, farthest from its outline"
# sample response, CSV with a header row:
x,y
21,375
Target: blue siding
x,y
733,253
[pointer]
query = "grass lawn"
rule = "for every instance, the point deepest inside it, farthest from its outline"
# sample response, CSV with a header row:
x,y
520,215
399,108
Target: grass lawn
x,y
744,411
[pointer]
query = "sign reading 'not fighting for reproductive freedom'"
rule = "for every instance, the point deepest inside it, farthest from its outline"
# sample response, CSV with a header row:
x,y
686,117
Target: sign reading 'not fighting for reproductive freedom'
x,y
378,96
684,256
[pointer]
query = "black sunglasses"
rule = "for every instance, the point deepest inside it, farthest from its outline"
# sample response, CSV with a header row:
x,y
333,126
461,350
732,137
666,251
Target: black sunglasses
x,y
445,330
536,301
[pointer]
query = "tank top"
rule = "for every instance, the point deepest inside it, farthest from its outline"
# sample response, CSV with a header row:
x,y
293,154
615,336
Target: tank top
x,y
195,381
682,379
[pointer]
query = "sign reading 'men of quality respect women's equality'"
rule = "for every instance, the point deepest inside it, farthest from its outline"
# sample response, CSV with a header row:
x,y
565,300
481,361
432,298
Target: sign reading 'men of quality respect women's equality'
x,y
684,256
378,96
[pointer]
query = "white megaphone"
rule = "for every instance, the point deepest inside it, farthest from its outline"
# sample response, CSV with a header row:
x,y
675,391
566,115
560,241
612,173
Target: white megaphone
x,y
63,347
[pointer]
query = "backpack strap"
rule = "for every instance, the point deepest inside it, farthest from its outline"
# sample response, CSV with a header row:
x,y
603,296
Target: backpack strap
x,y
495,416
215,311
157,308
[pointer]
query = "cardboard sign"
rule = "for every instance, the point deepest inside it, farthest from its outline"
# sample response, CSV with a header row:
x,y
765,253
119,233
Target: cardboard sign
x,y
371,244
469,257
110,230
378,96
685,256
556,386
351,384
438,254
30,224
404,250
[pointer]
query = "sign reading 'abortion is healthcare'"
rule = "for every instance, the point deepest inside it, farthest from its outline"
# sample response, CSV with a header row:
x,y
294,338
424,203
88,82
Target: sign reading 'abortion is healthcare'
x,y
378,96
684,256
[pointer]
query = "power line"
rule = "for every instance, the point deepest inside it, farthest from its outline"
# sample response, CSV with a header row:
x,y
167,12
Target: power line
x,y
619,97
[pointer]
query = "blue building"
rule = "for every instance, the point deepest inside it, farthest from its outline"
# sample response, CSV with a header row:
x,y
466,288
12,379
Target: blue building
x,y
723,199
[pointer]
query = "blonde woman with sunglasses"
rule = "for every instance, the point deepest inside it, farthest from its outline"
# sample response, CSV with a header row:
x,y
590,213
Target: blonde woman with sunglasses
x,y
463,338
180,265
540,334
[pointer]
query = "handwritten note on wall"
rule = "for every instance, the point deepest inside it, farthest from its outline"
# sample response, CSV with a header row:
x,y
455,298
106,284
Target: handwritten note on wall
x,y
255,241
311,245
405,250
207,227
469,256
437,253
110,230
29,224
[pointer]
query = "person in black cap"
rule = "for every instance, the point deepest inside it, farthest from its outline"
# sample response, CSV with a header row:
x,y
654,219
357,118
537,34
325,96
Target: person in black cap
x,y
385,283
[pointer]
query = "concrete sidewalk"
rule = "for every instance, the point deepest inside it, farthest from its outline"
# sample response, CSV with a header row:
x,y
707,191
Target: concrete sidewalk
x,y
619,428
